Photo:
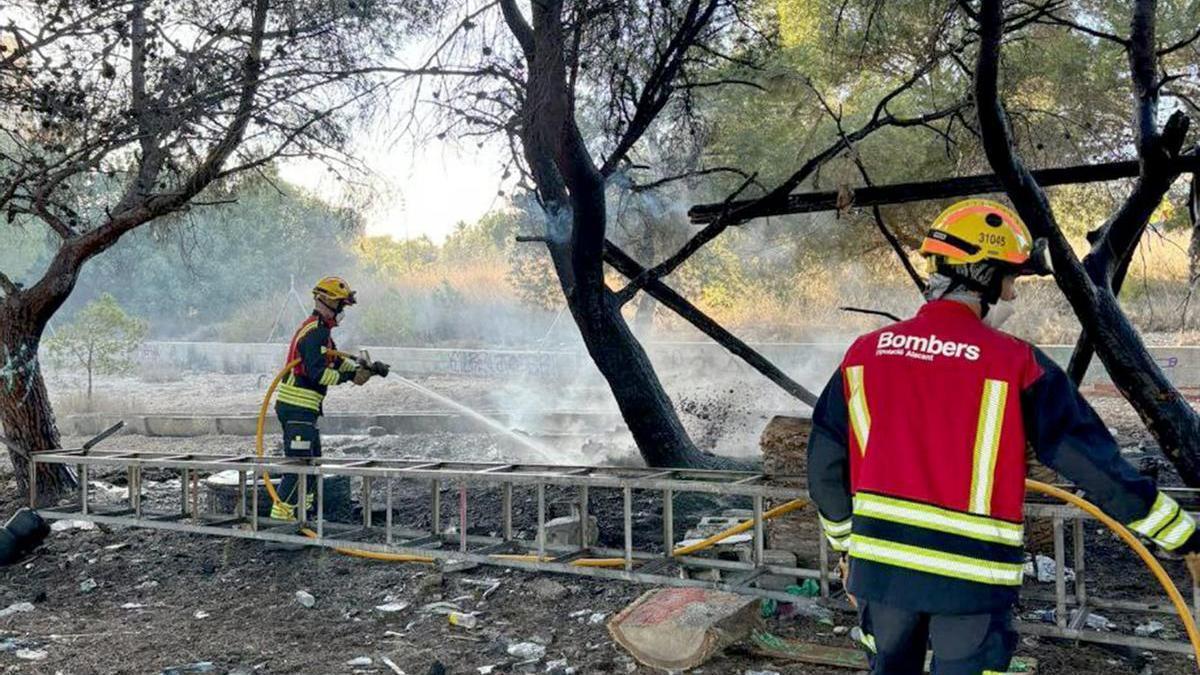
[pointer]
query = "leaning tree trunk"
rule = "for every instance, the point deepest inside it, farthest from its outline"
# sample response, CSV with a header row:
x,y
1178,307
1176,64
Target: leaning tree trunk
x,y
620,358
25,411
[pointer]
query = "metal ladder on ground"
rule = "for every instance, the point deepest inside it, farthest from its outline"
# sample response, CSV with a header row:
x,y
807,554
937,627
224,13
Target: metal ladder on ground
x,y
459,549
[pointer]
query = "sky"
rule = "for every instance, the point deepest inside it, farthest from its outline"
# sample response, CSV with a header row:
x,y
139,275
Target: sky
x,y
422,189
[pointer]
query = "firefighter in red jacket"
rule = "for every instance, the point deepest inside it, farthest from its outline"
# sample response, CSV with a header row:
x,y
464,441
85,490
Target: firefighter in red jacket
x,y
917,457
302,392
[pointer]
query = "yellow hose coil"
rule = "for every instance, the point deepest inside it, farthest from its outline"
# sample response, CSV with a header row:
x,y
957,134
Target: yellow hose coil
x,y
1035,486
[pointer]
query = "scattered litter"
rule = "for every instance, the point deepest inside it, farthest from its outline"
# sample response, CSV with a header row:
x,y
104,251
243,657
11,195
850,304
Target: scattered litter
x,y
1043,567
359,662
201,614
31,654
580,614
597,618
132,605
441,608
305,599
526,651
198,667
1148,629
64,525
463,619
840,630
392,607
88,585
1093,621
116,547
16,608
392,665
485,670
809,589
559,665
762,672
146,585
490,585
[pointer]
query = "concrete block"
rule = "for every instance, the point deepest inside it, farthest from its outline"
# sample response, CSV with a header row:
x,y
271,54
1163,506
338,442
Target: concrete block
x,y
180,427
772,556
564,531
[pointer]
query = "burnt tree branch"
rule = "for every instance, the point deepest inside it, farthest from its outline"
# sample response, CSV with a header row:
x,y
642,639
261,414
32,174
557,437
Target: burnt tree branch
x,y
623,263
1170,418
901,193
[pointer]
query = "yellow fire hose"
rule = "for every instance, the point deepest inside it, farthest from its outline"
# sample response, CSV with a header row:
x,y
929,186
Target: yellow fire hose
x,y
1181,607
1155,568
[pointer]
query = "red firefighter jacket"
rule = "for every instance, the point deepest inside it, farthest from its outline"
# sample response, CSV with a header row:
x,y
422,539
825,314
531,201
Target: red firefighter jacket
x,y
917,461
306,384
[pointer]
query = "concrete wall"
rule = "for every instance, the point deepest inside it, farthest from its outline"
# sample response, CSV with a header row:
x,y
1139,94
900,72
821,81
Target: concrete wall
x,y
1182,364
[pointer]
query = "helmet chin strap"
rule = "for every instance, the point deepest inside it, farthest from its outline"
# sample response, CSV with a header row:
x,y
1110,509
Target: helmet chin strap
x,y
989,293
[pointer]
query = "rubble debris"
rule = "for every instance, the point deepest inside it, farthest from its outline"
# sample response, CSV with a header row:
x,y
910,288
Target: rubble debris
x,y
1149,629
360,662
391,665
1043,568
681,628
88,585
132,605
32,654
392,607
146,586
305,599
201,614
564,531
16,608
1093,620
441,608
772,646
64,525
597,618
762,672
491,585
526,651
198,667
463,619
548,589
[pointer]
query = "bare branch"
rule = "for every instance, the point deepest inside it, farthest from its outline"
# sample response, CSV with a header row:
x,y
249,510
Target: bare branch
x,y
657,89
520,28
653,185
1179,45
697,242
1050,18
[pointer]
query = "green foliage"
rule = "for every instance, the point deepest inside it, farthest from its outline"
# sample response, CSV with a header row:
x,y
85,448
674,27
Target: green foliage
x,y
195,269
101,338
386,319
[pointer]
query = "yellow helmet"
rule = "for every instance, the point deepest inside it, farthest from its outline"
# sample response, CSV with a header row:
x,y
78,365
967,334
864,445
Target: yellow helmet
x,y
978,230
334,290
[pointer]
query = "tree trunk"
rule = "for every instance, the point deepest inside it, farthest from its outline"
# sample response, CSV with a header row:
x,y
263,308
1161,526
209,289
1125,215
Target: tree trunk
x,y
89,378
25,406
620,358
1194,246
644,404
643,316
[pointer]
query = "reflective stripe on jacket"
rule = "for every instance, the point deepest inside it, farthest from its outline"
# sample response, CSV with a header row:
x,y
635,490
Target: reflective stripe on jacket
x,y
305,386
